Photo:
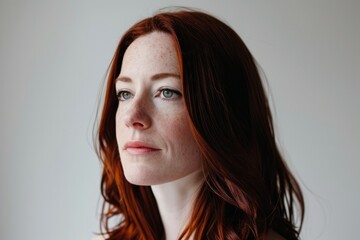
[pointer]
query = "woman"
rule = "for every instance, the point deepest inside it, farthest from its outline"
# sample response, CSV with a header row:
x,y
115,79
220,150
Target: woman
x,y
186,138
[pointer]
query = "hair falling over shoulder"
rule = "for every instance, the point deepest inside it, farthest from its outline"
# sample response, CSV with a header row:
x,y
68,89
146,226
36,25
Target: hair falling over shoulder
x,y
248,187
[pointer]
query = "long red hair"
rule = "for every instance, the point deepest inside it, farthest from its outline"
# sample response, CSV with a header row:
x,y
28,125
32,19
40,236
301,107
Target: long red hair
x,y
248,188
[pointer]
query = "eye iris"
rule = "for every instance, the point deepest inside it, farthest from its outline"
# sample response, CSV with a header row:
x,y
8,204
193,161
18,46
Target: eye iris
x,y
125,95
167,93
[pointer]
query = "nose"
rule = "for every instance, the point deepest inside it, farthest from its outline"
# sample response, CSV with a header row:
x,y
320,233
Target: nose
x,y
137,115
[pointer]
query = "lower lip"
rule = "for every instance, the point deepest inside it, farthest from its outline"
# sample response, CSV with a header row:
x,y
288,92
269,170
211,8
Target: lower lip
x,y
141,151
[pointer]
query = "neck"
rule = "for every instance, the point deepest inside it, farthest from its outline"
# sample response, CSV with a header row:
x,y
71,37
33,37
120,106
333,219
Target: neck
x,y
175,201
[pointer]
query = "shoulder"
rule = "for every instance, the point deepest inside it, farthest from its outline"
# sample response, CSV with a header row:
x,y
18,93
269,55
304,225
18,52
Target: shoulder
x,y
99,237
272,235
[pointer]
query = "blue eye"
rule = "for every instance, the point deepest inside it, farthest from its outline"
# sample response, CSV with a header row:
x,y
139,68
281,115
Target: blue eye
x,y
169,94
124,95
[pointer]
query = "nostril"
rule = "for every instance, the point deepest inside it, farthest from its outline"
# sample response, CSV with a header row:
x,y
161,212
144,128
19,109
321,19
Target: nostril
x,y
138,124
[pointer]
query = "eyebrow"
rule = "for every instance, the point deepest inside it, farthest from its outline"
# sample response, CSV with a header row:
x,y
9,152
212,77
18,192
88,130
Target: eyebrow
x,y
155,77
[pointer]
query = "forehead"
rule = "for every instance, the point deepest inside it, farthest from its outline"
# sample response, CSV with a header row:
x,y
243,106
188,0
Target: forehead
x,y
152,52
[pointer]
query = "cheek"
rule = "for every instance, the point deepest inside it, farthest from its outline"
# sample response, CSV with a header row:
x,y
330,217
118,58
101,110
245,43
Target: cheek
x,y
176,127
177,132
119,125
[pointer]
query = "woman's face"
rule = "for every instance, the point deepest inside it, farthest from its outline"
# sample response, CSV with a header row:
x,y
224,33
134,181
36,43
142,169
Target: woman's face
x,y
154,138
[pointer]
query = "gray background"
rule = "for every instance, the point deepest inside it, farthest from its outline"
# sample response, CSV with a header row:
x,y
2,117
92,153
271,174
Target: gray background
x,y
53,58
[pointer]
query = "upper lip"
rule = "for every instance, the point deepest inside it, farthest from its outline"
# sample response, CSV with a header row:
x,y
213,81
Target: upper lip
x,y
138,144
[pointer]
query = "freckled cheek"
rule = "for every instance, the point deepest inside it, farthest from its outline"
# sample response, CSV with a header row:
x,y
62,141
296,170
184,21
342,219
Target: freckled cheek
x,y
176,128
119,124
185,154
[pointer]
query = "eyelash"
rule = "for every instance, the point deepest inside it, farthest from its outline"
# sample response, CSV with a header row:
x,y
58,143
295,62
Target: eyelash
x,y
119,94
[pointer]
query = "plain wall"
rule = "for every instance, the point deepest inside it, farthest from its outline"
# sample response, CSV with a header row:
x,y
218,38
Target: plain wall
x,y
53,58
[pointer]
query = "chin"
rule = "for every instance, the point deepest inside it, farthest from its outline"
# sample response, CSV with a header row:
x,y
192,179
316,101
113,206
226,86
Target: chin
x,y
142,179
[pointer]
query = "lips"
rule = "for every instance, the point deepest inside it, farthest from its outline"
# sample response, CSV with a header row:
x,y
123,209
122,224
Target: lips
x,y
139,148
